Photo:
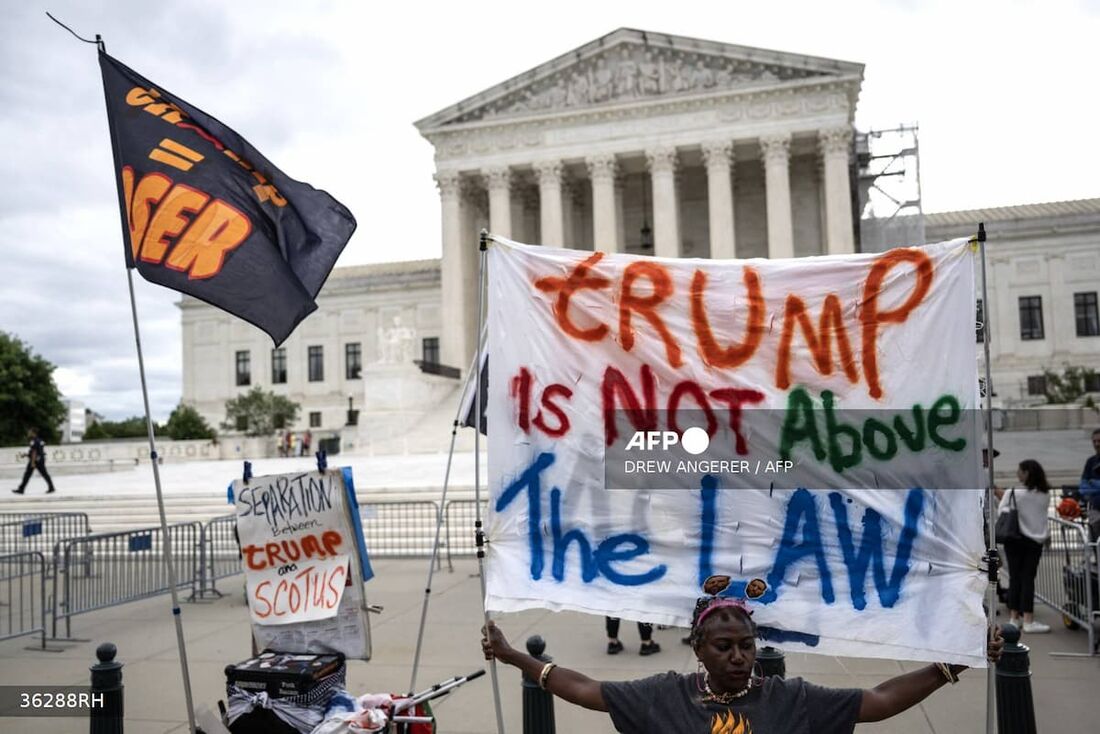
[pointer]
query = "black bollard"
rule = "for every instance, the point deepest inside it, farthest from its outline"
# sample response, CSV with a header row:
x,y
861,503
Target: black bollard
x,y
1015,706
106,714
538,705
772,661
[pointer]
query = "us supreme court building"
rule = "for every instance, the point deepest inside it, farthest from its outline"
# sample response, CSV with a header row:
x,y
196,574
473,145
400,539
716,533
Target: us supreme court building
x,y
641,143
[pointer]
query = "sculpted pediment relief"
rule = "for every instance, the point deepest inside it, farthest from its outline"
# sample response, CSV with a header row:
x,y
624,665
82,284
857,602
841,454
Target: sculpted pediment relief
x,y
632,66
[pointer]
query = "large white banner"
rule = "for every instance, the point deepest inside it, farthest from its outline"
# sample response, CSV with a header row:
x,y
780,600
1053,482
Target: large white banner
x,y
832,458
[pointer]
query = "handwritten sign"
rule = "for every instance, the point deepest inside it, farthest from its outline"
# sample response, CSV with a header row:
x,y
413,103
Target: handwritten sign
x,y
801,423
296,544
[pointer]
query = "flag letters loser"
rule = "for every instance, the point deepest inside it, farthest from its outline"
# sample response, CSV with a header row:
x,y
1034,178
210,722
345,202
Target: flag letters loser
x,y
204,213
850,519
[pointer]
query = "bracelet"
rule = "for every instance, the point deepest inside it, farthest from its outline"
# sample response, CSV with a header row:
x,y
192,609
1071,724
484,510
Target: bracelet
x,y
545,674
951,677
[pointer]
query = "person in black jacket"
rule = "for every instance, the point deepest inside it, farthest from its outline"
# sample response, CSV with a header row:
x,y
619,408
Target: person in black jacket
x,y
36,459
1090,487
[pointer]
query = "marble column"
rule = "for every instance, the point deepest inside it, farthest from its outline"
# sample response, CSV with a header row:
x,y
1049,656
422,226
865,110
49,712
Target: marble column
x,y
1004,314
1059,313
548,174
605,230
569,212
835,145
718,158
777,185
458,275
499,183
662,164
620,215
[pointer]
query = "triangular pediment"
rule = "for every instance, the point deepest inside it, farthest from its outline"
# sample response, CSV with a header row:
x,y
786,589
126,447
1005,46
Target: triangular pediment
x,y
631,66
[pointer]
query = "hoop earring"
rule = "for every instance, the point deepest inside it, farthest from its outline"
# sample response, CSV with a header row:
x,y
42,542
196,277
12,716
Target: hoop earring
x,y
756,678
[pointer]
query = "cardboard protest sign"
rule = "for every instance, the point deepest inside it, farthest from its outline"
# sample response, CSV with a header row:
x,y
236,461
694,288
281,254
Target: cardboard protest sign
x,y
805,426
304,561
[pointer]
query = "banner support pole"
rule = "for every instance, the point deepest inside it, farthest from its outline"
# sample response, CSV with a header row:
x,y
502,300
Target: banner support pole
x,y
992,557
438,526
166,541
479,534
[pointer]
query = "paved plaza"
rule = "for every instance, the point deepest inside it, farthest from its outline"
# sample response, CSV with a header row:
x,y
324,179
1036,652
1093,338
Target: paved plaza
x,y
217,633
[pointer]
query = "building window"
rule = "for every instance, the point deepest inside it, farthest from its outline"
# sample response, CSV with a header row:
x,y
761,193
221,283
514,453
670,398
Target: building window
x,y
242,422
315,419
244,368
1092,382
430,350
278,366
1031,317
1037,385
316,364
1084,308
979,321
353,361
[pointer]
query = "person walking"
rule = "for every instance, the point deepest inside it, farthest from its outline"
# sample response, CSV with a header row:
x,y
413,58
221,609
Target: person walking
x,y
615,646
36,459
1032,504
307,439
1090,487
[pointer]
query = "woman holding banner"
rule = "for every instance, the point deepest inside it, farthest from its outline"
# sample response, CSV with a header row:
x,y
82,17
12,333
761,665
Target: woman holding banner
x,y
728,694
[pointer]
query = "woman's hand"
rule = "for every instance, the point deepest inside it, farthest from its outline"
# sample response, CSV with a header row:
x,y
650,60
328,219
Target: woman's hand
x,y
995,645
493,642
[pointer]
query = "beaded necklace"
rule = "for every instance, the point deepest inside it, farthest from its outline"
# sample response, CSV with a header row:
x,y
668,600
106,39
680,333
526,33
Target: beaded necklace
x,y
710,696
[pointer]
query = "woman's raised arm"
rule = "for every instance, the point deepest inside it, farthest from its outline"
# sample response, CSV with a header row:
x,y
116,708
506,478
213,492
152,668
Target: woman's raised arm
x,y
574,687
897,694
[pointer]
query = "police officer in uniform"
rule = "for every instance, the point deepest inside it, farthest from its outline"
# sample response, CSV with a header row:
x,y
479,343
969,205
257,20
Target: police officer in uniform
x,y
36,459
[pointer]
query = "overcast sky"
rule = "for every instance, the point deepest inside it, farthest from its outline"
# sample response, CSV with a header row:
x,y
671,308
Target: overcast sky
x,y
1004,92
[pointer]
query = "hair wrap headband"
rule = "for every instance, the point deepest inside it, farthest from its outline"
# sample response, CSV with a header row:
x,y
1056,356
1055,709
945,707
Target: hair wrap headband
x,y
721,603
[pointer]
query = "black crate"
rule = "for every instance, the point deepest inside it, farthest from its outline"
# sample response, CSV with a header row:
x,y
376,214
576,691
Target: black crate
x,y
283,674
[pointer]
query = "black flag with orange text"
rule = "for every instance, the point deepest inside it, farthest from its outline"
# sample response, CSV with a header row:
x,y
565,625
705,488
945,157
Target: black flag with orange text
x,y
204,213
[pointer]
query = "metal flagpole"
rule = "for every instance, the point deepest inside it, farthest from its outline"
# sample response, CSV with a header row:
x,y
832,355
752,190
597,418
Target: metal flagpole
x,y
992,558
439,522
166,541
479,534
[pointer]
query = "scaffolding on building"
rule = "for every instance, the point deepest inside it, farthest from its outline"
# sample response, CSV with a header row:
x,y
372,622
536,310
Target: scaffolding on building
x,y
888,187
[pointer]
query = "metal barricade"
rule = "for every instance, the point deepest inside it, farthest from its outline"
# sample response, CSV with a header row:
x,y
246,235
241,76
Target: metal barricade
x,y
1067,577
23,595
399,529
121,567
40,531
221,553
460,518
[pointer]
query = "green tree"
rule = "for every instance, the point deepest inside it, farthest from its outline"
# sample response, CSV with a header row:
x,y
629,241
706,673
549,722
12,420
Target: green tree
x,y
1069,385
133,427
185,422
28,395
259,412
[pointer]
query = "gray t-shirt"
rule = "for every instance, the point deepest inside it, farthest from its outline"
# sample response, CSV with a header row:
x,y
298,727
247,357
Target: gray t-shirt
x,y
671,703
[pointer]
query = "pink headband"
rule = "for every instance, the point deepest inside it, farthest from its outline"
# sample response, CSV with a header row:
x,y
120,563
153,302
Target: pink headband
x,y
722,603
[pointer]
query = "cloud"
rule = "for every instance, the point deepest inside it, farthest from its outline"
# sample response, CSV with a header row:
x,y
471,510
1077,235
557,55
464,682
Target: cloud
x,y
329,92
